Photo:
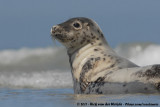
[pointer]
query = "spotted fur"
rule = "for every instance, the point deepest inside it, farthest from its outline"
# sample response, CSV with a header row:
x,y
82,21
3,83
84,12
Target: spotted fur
x,y
96,68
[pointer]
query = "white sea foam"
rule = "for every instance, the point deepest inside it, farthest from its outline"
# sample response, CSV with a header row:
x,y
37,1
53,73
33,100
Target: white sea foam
x,y
140,53
49,67
13,56
43,79
26,59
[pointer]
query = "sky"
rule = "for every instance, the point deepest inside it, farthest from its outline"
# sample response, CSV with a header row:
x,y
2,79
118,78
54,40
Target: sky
x,y
27,23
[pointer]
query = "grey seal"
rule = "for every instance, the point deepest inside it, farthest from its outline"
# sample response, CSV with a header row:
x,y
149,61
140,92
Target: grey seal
x,y
95,67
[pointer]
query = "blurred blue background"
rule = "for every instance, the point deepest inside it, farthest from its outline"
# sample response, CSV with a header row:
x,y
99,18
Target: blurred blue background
x,y
27,23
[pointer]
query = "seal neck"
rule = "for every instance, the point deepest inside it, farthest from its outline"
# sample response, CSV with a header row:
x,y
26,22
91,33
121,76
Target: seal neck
x,y
81,49
101,42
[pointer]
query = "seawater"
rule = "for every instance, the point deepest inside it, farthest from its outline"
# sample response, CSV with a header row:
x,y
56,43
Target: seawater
x,y
41,77
65,98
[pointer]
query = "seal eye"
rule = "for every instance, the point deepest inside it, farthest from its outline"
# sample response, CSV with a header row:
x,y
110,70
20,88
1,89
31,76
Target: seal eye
x,y
76,25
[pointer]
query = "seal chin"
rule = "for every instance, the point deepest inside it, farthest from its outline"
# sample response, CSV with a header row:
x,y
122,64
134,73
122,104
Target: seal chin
x,y
60,37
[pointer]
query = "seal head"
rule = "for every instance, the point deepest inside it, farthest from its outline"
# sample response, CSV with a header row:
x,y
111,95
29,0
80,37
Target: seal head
x,y
76,33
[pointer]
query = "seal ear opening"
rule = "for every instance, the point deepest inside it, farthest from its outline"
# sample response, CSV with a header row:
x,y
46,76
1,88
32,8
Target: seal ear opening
x,y
86,25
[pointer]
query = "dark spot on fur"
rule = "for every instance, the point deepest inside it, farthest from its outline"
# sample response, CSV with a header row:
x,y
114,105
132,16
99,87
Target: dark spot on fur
x,y
95,49
88,41
105,55
104,59
82,41
97,38
71,38
146,88
100,44
92,43
74,41
102,35
124,85
112,65
100,79
98,58
84,33
91,34
87,36
93,37
72,47
90,23
98,31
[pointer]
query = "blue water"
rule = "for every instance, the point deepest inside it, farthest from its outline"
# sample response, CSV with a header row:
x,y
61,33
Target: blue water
x,y
35,98
66,98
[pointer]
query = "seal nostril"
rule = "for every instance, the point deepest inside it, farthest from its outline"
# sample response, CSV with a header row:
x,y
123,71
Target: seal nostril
x,y
53,29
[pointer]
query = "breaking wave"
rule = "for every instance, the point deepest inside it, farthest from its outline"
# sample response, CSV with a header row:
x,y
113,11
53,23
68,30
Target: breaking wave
x,y
49,67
